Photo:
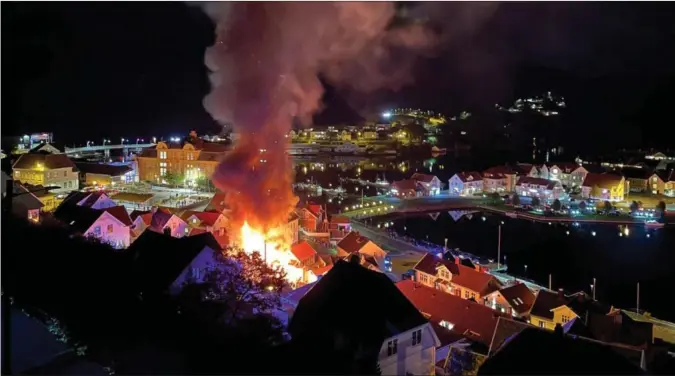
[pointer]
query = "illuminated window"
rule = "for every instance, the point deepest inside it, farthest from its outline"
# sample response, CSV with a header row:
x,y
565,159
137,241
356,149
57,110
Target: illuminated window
x,y
542,324
110,228
162,155
97,230
565,319
466,294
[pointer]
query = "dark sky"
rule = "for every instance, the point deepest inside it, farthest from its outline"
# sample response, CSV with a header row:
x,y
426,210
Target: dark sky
x,y
93,70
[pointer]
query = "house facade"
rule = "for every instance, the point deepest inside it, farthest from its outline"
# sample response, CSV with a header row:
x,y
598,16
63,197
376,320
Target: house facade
x,y
356,243
406,189
499,179
550,309
544,189
104,175
606,187
191,161
410,353
656,184
455,279
431,183
111,228
568,174
465,184
515,300
53,170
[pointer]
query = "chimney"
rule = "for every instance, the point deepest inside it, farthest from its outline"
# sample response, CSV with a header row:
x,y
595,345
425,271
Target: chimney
x,y
561,294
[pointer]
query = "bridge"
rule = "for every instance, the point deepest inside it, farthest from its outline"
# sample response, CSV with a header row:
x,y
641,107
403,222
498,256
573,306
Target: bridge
x,y
106,148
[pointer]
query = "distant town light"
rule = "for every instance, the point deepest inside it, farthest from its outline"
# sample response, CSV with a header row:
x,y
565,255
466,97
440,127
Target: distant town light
x,y
386,115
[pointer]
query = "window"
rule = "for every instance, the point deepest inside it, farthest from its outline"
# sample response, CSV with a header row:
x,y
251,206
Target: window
x,y
565,319
417,337
466,294
65,173
195,273
110,228
392,347
162,155
17,173
97,230
542,324
473,295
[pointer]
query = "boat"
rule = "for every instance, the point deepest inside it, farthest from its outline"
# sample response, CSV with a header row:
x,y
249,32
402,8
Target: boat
x,y
301,149
653,224
436,150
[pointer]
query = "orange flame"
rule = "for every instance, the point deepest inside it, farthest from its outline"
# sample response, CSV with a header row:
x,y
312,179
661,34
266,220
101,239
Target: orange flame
x,y
276,253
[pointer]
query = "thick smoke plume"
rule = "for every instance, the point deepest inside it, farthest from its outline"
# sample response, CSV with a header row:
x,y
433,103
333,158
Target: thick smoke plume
x,y
266,63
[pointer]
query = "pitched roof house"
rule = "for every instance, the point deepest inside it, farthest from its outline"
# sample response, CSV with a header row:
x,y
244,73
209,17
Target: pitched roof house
x,y
515,300
455,279
604,186
354,242
110,225
361,314
164,219
550,309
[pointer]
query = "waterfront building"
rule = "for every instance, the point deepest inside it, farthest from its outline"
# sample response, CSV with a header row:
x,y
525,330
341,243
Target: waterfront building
x,y
569,174
605,186
431,183
49,170
465,184
105,175
544,189
499,179
637,178
361,313
451,277
406,189
669,183
190,161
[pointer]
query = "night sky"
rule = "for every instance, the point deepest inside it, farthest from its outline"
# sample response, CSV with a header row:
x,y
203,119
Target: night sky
x,y
94,70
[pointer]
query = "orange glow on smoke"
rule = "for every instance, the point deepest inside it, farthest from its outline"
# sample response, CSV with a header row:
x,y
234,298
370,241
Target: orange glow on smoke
x,y
277,253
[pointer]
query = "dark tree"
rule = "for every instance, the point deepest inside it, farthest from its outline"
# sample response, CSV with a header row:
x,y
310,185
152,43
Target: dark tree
x,y
582,205
634,206
556,205
536,202
661,208
515,199
607,206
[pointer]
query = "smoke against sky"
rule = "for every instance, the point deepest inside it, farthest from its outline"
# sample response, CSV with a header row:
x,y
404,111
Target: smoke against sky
x,y
265,67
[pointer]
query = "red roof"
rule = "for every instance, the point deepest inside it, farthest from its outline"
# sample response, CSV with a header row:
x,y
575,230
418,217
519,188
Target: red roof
x,y
315,210
196,231
519,297
549,184
405,185
217,203
469,176
339,219
302,250
480,282
322,270
426,178
606,181
353,242
464,314
137,213
497,172
119,212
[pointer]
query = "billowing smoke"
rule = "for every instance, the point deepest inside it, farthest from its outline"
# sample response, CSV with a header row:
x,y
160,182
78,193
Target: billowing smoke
x,y
266,63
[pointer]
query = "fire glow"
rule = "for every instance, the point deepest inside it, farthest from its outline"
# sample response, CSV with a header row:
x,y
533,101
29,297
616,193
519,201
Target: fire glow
x,y
274,251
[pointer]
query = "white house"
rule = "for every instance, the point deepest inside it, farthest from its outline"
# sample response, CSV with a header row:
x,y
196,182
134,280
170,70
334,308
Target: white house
x,y
93,200
544,189
465,184
408,340
431,183
110,225
569,174
163,219
499,179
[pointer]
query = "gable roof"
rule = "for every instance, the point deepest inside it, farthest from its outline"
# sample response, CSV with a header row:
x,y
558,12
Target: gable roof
x,y
464,314
353,242
519,297
498,172
636,173
546,301
482,283
24,199
405,185
120,213
159,259
469,176
77,218
303,250
315,210
339,219
566,167
425,178
538,351
206,218
136,213
604,180
91,199
48,161
103,169
338,300
159,218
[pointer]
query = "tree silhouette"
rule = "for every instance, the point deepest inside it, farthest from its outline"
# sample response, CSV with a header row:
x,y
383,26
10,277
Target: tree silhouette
x,y
556,205
515,199
661,208
607,206
634,207
535,201
582,205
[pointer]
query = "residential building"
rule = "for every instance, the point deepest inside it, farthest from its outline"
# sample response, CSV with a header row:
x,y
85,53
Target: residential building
x,y
306,258
217,203
551,308
190,161
105,175
569,174
526,169
47,147
515,300
499,179
25,204
208,221
545,189
141,219
110,224
311,216
362,315
606,186
463,317
292,229
47,198
657,182
164,220
339,226
637,178
406,189
669,183
165,264
355,243
465,184
93,200
451,277
49,170
431,183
